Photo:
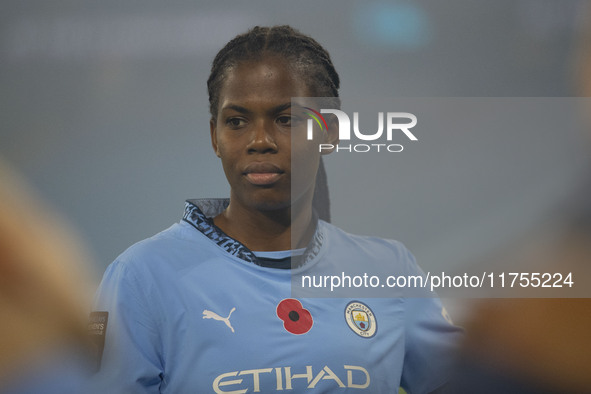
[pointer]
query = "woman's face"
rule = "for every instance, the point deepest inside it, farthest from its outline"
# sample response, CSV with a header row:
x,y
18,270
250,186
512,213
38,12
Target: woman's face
x,y
252,134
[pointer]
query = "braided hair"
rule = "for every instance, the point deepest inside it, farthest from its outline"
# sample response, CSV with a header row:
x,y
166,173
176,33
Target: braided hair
x,y
307,57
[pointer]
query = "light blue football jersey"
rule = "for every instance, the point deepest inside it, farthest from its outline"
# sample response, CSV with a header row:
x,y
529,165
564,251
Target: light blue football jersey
x,y
192,310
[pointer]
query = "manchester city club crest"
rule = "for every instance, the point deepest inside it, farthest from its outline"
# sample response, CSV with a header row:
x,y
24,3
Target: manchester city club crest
x,y
361,319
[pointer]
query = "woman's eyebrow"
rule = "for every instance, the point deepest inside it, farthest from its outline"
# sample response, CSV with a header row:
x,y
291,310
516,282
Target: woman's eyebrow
x,y
243,110
236,108
279,108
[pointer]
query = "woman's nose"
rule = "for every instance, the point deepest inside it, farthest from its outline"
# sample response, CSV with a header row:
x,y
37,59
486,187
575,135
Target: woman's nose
x,y
263,140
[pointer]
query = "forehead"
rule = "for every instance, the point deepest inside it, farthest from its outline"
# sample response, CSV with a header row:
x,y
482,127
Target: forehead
x,y
269,79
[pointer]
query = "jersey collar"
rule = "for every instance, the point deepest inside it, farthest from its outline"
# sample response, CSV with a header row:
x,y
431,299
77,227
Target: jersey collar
x,y
200,213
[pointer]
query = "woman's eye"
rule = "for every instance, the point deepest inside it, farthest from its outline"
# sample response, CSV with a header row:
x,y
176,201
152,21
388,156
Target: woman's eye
x,y
289,120
284,120
235,122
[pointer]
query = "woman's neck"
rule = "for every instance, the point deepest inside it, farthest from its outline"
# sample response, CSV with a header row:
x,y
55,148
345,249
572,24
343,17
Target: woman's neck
x,y
268,230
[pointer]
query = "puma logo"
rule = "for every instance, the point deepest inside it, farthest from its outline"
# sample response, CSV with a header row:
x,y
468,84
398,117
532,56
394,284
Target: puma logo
x,y
212,315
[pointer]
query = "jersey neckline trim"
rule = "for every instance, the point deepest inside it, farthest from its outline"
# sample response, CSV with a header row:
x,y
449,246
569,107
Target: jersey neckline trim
x,y
199,213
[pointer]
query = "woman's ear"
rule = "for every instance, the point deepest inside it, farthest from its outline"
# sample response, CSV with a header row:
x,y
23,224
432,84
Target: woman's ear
x,y
214,137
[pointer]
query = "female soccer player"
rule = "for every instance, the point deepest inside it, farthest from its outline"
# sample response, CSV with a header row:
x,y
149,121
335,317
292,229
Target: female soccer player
x,y
206,305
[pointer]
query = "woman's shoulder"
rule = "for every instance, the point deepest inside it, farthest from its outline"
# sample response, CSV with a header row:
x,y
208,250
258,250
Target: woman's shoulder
x,y
172,248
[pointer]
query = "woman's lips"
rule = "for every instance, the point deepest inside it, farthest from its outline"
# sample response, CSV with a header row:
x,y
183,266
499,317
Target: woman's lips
x,y
262,173
263,178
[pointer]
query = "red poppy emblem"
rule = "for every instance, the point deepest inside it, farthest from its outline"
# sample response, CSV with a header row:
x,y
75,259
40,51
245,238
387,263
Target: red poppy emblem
x,y
296,319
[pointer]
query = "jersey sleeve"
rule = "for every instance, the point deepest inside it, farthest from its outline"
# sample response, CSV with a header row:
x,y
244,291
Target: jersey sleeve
x,y
431,341
132,357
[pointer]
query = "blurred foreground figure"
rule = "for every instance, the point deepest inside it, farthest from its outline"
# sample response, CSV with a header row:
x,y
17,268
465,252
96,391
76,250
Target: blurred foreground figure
x,y
536,345
528,346
539,345
42,292
532,345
